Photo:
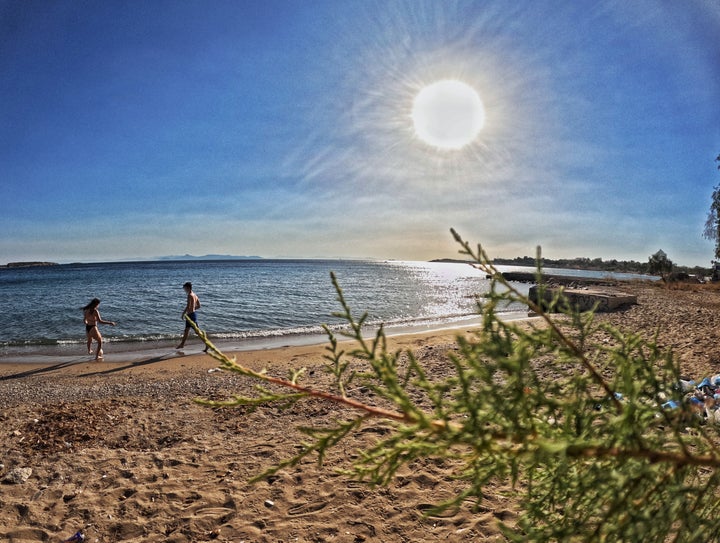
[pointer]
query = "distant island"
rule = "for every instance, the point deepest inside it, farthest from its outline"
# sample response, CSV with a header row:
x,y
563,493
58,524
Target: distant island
x,y
209,257
27,264
155,259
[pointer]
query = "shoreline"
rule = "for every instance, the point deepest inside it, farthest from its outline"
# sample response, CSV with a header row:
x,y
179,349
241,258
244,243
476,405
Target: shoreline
x,y
120,352
182,375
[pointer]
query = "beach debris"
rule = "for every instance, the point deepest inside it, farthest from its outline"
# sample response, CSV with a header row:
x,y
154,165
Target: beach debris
x,y
617,396
75,538
702,397
686,385
269,503
17,476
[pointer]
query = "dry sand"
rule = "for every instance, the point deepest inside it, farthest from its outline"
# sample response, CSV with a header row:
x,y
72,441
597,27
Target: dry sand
x,y
121,451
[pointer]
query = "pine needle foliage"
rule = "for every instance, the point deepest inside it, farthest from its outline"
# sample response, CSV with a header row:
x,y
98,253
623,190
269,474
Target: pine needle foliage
x,y
570,412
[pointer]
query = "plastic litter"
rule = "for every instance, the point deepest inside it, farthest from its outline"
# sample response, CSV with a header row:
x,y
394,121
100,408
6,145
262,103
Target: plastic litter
x,y
703,398
686,385
704,383
77,537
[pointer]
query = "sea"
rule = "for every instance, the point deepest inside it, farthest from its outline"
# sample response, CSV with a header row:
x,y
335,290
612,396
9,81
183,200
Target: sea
x,y
245,304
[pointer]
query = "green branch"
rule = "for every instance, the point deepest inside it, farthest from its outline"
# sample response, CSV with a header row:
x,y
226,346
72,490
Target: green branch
x,y
576,419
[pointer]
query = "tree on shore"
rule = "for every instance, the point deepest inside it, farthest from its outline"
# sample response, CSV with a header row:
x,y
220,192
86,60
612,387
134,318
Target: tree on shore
x,y
712,225
660,264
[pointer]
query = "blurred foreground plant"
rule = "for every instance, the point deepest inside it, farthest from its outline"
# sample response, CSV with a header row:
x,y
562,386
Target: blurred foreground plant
x,y
566,410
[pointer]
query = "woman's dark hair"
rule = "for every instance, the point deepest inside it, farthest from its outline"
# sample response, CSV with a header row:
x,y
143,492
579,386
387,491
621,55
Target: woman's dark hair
x,y
92,305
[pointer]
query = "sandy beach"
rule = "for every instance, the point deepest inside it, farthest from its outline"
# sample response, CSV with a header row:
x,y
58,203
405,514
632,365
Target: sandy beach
x,y
121,452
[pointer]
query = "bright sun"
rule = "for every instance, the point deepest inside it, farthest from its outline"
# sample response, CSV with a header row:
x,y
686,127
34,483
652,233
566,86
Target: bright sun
x,y
448,114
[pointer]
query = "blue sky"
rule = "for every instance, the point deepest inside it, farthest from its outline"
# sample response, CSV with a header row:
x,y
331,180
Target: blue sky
x,y
284,128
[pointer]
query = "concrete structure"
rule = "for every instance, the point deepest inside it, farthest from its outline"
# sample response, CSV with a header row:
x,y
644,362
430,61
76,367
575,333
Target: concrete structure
x,y
600,298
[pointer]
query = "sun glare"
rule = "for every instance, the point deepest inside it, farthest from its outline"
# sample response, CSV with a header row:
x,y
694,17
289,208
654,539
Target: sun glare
x,y
448,114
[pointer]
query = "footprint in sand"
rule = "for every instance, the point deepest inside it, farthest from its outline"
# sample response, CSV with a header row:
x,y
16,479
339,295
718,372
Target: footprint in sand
x,y
427,509
306,508
370,527
28,534
262,449
221,514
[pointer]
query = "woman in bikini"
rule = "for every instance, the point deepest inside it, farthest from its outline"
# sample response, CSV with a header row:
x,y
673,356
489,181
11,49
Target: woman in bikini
x,y
92,319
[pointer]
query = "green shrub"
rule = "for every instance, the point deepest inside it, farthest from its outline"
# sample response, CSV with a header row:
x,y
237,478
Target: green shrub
x,y
566,410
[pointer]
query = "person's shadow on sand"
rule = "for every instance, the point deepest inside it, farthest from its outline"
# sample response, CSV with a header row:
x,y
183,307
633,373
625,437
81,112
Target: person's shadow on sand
x,y
136,364
44,369
106,371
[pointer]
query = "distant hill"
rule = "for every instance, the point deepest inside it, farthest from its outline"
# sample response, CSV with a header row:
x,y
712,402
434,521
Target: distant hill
x,y
27,264
209,257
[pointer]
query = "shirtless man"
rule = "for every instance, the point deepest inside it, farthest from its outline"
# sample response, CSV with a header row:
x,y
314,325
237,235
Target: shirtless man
x,y
92,318
192,305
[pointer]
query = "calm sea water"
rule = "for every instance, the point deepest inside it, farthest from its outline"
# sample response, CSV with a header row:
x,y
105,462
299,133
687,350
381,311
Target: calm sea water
x,y
245,303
